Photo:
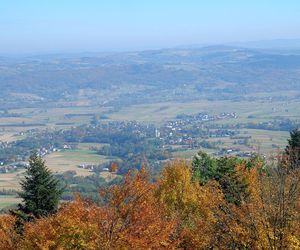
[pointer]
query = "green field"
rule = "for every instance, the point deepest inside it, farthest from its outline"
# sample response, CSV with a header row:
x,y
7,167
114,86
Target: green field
x,y
55,118
70,159
264,139
59,162
11,180
160,112
50,118
8,200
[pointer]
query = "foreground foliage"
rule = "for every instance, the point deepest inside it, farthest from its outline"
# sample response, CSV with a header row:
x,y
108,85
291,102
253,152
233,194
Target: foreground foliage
x,y
132,219
184,209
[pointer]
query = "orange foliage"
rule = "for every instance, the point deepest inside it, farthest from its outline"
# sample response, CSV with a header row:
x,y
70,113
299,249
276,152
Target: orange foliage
x,y
132,220
114,167
73,227
8,236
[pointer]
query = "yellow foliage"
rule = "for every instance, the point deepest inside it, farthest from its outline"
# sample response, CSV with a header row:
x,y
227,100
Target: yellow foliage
x,y
193,206
8,237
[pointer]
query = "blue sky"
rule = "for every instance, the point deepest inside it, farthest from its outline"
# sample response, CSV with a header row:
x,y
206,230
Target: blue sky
x,y
34,26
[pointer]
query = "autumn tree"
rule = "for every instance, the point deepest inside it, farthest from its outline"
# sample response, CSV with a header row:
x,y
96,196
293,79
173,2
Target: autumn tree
x,y
277,193
75,226
114,167
269,217
134,218
190,204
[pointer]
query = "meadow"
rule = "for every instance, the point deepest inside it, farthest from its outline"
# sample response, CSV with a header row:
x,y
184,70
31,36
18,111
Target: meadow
x,y
10,181
8,201
259,111
70,160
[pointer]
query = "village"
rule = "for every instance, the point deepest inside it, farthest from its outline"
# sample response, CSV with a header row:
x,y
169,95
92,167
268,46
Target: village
x,y
186,132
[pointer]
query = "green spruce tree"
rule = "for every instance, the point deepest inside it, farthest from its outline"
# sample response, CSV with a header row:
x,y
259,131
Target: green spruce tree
x,y
40,192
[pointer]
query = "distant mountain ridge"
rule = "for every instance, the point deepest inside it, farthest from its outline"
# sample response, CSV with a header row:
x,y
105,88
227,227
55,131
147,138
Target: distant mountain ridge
x,y
288,44
272,44
226,69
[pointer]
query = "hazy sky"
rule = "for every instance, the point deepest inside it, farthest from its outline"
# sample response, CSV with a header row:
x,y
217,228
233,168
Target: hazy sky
x,y
28,26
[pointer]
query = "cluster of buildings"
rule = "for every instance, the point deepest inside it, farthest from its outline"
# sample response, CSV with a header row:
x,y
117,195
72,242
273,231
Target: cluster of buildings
x,y
106,167
190,130
12,167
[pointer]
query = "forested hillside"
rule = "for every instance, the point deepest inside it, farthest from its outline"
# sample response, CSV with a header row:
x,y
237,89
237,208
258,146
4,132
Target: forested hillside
x,y
217,71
